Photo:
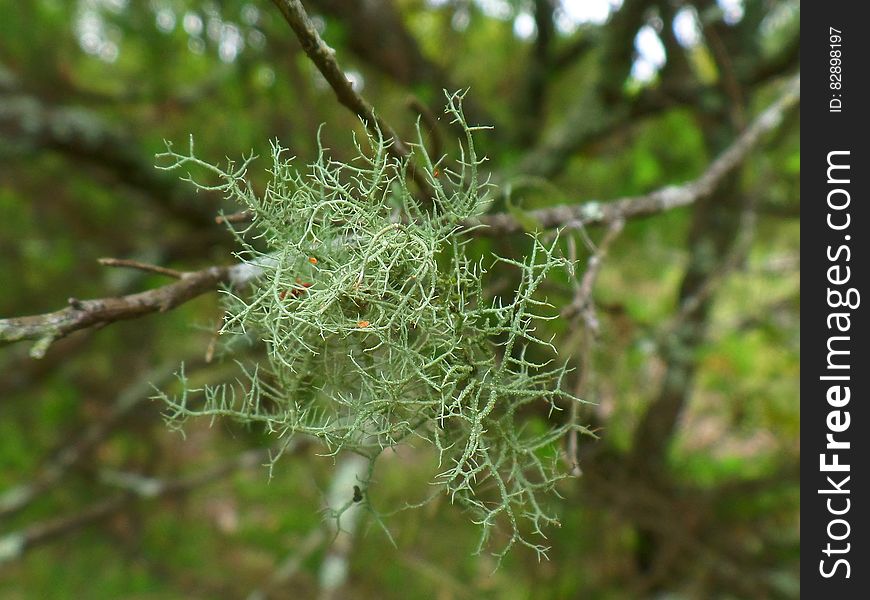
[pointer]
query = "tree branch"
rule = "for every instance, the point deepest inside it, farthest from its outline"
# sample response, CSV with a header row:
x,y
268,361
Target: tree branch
x,y
583,306
135,264
84,135
81,314
50,474
15,544
323,58
376,33
574,216
533,98
344,505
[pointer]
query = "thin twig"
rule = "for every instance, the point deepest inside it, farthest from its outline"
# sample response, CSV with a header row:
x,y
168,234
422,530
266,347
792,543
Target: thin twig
x,y
583,292
135,264
582,306
323,58
238,217
345,504
736,257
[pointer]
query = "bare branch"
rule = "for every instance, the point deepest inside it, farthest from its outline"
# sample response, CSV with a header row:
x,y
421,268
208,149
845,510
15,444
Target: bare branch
x,y
15,544
323,58
20,496
583,306
82,314
88,313
242,216
583,293
29,124
135,264
573,216
376,33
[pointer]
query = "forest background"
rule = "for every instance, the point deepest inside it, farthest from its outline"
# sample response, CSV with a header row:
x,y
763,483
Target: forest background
x,y
661,137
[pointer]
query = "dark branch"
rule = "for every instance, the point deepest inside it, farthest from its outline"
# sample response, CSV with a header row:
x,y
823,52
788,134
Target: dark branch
x,y
533,100
85,136
376,33
323,58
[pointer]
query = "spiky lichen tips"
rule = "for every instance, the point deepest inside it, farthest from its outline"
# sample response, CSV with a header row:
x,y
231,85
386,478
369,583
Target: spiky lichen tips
x,y
378,330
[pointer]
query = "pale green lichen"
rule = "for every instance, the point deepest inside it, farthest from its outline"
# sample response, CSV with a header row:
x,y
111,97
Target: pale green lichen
x,y
378,330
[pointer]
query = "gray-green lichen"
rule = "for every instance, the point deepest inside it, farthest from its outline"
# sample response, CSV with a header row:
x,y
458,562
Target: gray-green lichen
x,y
378,331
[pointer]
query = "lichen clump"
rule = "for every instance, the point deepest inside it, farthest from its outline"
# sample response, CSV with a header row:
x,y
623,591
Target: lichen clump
x,y
378,330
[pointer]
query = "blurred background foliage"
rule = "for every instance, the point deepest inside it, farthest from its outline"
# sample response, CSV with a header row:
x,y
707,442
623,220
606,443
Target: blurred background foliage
x,y
590,101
